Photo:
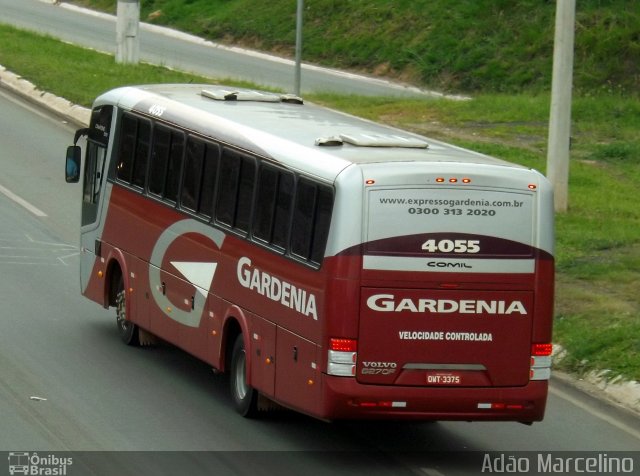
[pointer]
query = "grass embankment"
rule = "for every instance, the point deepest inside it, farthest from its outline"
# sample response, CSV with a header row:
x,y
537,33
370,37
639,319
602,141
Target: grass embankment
x,y
462,46
598,240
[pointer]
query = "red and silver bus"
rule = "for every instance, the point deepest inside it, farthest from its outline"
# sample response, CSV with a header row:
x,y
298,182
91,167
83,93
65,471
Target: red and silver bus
x,y
329,264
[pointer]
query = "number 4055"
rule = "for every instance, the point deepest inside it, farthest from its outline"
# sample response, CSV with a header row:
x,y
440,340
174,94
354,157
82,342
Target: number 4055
x,y
451,246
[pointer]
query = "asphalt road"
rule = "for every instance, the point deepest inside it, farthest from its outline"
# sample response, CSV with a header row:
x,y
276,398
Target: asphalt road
x,y
93,393
160,46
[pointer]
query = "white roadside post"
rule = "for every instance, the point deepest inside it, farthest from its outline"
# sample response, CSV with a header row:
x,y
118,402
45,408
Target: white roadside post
x,y
298,67
560,115
127,28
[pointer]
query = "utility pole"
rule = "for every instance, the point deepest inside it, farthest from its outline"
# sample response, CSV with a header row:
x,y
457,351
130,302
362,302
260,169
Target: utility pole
x,y
127,27
298,68
560,116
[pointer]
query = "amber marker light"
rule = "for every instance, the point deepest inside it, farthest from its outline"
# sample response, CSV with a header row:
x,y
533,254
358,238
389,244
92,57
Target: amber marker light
x,y
440,180
466,180
532,186
369,182
453,180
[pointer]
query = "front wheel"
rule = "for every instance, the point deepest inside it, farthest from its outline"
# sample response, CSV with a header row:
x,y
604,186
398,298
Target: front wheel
x,y
244,396
128,330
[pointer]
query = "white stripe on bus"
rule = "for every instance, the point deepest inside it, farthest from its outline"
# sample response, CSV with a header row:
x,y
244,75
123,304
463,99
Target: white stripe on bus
x,y
448,265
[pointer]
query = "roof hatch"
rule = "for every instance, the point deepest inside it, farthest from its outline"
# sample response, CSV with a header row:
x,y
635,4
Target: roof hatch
x,y
372,140
246,95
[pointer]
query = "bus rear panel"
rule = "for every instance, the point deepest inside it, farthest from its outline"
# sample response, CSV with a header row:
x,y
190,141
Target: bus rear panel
x,y
455,273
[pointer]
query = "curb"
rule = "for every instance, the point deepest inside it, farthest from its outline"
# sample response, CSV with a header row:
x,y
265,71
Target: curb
x,y
70,112
595,383
600,384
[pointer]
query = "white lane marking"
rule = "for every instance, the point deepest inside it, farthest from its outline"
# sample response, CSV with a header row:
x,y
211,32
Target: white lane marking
x,y
25,250
21,201
596,413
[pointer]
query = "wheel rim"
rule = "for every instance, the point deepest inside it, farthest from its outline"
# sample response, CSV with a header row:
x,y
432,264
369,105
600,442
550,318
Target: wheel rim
x,y
240,377
121,312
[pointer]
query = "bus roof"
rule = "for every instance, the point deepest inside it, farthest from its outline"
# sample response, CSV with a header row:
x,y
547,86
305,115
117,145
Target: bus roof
x,y
320,141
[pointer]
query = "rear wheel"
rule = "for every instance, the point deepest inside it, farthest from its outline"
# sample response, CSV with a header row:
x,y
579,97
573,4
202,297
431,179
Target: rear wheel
x,y
128,330
244,396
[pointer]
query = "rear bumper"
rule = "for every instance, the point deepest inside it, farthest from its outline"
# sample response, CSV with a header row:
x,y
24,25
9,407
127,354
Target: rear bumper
x,y
346,399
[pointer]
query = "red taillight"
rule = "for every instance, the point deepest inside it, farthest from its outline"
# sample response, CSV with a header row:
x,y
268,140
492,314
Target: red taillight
x,y
502,406
541,350
449,285
378,404
343,345
368,404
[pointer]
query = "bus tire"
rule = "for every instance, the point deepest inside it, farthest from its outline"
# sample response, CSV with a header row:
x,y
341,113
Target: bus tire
x,y
128,331
245,397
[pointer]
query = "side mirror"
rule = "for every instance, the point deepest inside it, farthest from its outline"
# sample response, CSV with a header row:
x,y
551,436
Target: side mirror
x,y
72,166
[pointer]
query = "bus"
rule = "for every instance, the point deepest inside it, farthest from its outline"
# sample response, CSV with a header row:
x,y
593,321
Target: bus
x,y
328,264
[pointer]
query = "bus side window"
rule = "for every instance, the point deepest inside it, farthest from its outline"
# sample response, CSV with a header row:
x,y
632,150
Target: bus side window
x,y
133,153
228,187
192,176
209,175
284,207
159,159
324,207
176,154
273,206
303,215
311,219
265,204
235,190
127,148
246,187
143,146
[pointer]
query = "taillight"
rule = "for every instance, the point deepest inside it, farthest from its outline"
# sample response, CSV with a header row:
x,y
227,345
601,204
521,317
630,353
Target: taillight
x,y
501,406
541,350
540,362
343,345
342,357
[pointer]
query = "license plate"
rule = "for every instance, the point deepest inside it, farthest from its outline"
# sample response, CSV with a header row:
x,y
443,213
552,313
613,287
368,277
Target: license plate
x,y
443,379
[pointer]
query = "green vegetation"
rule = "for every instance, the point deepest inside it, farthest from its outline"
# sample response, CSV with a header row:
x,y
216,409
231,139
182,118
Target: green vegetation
x,y
598,240
83,74
466,45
